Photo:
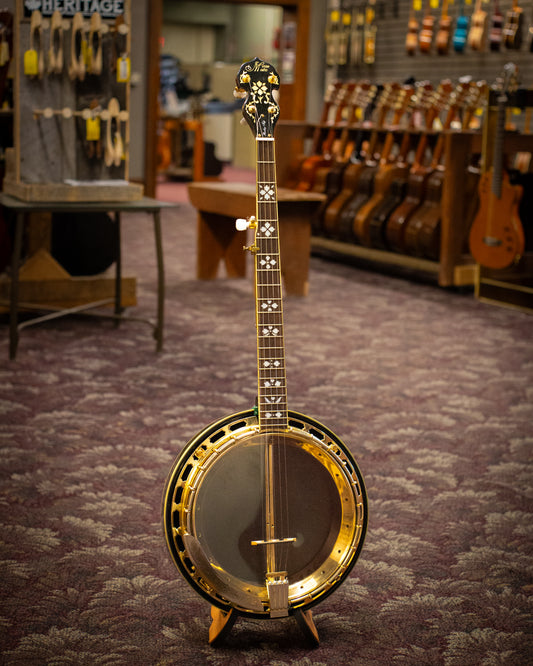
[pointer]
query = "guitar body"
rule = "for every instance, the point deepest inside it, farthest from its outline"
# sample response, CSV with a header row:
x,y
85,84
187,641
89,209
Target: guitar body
x,y
497,237
461,34
397,222
334,210
308,171
392,200
422,234
383,180
365,188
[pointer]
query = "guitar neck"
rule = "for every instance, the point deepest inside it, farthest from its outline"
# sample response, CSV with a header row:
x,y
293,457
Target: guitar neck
x,y
272,388
497,166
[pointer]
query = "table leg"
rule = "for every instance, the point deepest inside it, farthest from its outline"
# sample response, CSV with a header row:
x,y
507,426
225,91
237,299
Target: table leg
x,y
118,268
218,240
160,281
14,296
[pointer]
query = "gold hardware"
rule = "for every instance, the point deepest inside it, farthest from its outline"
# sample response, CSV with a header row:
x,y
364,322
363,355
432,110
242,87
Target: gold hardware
x,y
251,248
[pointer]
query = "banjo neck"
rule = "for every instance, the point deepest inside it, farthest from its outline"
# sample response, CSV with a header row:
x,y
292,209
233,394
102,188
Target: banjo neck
x,y
272,386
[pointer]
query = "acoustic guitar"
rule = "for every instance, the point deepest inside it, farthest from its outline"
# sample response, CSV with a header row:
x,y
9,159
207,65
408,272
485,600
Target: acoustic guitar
x,y
418,175
369,34
444,35
513,28
496,28
460,34
265,510
422,230
361,103
497,238
425,38
394,191
365,175
478,30
327,112
386,170
313,162
350,177
411,39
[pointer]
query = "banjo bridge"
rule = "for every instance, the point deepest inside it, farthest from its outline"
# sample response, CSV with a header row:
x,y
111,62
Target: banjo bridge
x,y
270,541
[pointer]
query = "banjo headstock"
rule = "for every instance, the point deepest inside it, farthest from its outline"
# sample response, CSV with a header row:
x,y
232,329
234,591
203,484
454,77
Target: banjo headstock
x,y
258,82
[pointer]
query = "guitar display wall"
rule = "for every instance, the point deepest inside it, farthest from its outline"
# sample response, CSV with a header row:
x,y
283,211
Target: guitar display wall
x,y
71,123
399,166
391,61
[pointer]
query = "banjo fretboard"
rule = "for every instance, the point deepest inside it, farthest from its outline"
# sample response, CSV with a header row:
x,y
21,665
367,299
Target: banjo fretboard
x,y
272,388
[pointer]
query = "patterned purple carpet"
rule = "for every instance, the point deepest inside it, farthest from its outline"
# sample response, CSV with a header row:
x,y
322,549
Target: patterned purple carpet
x,y
431,391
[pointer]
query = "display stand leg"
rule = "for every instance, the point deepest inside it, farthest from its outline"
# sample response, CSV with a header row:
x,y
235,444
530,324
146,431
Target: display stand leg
x,y
221,625
307,625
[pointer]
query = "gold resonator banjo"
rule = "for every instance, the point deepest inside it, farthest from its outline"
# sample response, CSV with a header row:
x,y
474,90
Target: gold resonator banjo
x,y
265,511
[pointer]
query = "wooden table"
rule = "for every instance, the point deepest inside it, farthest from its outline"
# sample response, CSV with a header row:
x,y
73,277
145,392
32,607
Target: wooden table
x,y
219,204
21,209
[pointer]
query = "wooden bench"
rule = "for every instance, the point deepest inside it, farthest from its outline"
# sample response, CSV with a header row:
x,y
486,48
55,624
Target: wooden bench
x,y
219,204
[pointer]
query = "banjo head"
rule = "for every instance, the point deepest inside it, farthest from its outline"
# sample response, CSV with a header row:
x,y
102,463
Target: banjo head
x,y
215,518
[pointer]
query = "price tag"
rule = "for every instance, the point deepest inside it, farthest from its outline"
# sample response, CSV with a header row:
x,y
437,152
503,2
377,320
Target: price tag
x,y
31,63
434,4
370,14
92,129
417,5
123,69
335,16
346,18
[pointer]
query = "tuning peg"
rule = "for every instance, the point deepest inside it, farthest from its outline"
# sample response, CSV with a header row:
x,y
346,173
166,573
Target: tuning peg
x,y
239,93
241,224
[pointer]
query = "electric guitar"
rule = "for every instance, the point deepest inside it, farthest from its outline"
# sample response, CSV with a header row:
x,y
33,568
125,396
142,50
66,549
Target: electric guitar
x,y
497,238
265,510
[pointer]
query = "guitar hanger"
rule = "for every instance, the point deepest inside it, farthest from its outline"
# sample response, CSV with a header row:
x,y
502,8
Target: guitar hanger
x,y
55,53
94,45
77,59
35,55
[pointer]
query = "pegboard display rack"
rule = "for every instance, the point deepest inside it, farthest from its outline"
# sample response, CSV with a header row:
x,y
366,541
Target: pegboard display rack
x,y
71,104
